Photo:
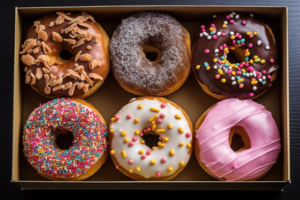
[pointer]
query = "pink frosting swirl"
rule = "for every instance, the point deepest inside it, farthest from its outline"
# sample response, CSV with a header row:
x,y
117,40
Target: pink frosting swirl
x,y
215,151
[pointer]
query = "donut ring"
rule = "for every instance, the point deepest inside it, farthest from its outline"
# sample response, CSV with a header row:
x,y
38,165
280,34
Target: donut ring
x,y
79,74
253,44
150,115
215,129
147,32
83,158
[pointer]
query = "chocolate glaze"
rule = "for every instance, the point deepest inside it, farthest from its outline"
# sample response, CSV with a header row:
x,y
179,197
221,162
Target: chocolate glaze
x,y
207,77
98,51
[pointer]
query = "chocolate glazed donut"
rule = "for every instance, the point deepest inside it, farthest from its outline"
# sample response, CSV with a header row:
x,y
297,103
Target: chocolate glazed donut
x,y
65,54
250,41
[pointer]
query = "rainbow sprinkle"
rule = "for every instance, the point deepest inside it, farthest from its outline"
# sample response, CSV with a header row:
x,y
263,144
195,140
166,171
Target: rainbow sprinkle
x,y
63,114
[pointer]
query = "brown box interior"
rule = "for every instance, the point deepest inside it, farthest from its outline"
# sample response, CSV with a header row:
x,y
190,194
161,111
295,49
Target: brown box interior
x,y
111,97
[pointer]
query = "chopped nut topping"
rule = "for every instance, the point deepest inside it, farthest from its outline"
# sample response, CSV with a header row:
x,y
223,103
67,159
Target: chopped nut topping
x,y
80,85
79,43
70,41
86,87
89,80
52,78
64,15
75,74
68,13
28,72
51,24
33,79
72,36
28,79
95,76
71,91
80,69
68,85
87,16
70,28
88,47
94,63
77,55
45,70
82,77
81,32
75,34
28,60
46,49
29,51
59,20
62,31
47,79
76,67
25,69
36,50
88,36
56,37
42,35
77,19
85,57
39,27
85,25
26,42
36,23
29,44
38,73
98,36
66,75
47,90
59,87
44,59
56,82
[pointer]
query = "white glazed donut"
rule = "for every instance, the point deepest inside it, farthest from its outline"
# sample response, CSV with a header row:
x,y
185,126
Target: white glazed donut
x,y
148,115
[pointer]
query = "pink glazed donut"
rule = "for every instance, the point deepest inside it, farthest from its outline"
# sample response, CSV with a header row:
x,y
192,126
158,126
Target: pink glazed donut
x,y
259,132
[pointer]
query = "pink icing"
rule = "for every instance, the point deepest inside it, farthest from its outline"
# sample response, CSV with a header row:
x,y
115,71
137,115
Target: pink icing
x,y
215,151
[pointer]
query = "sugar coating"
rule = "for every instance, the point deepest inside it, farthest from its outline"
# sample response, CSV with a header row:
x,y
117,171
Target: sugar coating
x,y
155,29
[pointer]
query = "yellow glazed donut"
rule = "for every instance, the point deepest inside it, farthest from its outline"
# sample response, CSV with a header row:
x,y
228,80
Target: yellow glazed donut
x,y
150,115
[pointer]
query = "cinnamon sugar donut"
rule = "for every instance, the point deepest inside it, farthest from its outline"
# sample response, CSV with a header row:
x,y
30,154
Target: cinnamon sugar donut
x,y
147,32
77,75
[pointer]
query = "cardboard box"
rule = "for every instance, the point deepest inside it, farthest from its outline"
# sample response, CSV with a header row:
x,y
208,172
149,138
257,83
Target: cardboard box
x,y
111,97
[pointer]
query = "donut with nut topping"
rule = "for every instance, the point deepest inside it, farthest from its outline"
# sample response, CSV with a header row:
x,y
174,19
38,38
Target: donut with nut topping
x,y
65,55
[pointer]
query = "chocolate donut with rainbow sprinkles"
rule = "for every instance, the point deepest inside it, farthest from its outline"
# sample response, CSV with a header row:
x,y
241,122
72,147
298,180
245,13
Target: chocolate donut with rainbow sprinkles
x,y
235,56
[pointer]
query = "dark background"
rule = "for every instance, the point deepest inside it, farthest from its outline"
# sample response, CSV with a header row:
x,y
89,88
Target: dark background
x,y
10,191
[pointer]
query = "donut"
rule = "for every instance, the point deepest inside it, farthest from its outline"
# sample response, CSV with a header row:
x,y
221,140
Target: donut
x,y
157,116
65,55
59,116
235,56
156,33
258,130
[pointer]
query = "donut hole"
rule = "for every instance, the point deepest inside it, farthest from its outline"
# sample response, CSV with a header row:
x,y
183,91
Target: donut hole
x,y
65,55
236,55
150,53
151,139
238,139
63,139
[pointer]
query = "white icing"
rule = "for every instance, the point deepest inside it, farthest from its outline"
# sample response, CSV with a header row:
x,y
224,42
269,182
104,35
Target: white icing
x,y
132,152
